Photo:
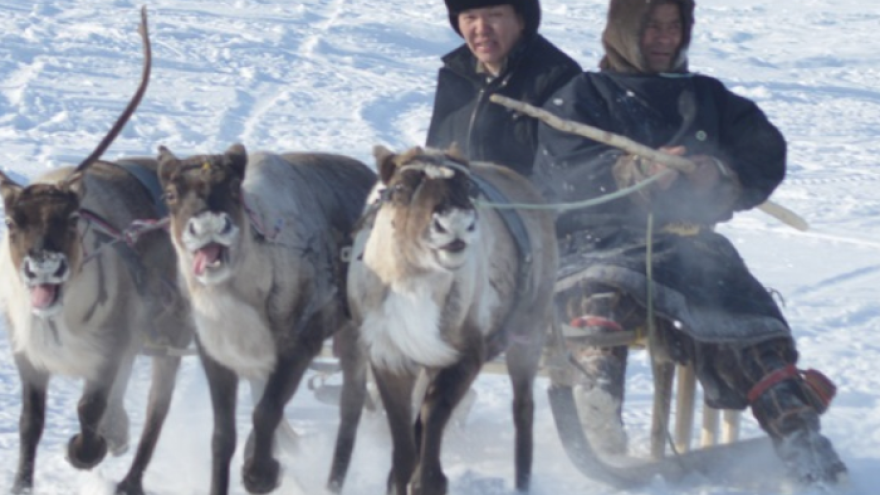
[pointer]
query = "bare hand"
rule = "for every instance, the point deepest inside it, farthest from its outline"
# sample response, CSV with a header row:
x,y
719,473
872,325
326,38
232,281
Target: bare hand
x,y
707,174
654,168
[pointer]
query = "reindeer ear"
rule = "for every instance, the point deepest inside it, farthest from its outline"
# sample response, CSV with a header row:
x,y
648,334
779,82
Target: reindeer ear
x,y
384,162
76,183
9,189
167,165
237,156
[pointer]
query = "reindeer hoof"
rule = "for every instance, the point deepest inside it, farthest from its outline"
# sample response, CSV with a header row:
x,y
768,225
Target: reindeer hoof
x,y
130,487
22,487
86,455
432,485
262,477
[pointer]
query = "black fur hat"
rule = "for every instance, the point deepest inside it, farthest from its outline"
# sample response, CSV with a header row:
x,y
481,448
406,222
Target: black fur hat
x,y
530,10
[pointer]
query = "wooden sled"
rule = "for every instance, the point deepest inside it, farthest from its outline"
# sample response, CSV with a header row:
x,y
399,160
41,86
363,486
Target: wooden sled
x,y
720,457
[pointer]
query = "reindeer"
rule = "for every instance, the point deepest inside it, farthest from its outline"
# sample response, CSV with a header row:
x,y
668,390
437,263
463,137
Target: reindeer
x,y
77,303
437,285
259,239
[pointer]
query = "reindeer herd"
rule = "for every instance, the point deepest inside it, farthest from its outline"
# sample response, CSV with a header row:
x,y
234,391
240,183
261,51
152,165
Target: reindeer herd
x,y
260,258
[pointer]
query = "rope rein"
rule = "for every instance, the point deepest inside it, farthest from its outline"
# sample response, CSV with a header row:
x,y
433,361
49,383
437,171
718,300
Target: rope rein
x,y
129,235
653,342
576,205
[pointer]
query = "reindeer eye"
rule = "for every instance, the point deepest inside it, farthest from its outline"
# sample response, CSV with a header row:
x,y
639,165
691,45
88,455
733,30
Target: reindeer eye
x,y
400,189
73,220
10,225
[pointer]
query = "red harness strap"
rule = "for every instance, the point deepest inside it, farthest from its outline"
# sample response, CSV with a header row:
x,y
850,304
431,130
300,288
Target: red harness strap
x,y
587,321
819,388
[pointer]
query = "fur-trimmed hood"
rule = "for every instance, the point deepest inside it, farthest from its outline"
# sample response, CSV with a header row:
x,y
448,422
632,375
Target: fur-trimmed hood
x,y
626,23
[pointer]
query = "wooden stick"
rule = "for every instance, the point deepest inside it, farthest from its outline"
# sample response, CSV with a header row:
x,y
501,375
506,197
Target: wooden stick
x,y
623,143
686,385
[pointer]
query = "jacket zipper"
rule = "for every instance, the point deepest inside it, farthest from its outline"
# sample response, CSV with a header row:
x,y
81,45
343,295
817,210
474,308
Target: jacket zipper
x,y
470,133
480,100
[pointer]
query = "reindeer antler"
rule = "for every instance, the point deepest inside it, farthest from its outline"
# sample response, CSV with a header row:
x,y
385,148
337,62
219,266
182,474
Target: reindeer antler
x,y
133,104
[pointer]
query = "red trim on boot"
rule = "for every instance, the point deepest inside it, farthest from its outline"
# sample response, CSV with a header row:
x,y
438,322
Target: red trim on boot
x,y
587,321
820,388
771,379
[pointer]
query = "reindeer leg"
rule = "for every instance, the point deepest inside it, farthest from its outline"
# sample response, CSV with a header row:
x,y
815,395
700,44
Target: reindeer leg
x,y
261,471
446,391
351,404
396,391
223,385
31,422
285,435
161,389
522,364
115,424
88,448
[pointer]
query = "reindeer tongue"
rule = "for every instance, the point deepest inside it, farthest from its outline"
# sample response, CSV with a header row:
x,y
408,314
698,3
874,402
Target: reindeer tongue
x,y
42,296
205,256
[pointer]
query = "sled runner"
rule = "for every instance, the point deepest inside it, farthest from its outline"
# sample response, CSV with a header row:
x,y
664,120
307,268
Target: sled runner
x,y
718,457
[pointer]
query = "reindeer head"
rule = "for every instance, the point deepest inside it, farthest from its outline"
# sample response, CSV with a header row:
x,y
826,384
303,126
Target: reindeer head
x,y
428,195
42,222
203,194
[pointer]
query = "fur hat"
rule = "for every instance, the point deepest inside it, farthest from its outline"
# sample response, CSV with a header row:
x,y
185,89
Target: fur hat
x,y
530,10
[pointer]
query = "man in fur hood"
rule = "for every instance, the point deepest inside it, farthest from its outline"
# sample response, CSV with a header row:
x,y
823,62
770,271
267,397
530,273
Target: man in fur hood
x,y
503,53
709,310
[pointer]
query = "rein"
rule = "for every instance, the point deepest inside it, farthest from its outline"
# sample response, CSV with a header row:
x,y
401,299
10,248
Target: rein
x,y
129,235
258,225
576,205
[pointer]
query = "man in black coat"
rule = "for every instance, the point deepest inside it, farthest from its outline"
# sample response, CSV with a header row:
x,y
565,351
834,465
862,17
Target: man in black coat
x,y
504,54
709,310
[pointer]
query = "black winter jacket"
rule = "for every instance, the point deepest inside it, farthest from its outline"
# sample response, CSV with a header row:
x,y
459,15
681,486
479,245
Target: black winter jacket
x,y
486,131
647,109
699,280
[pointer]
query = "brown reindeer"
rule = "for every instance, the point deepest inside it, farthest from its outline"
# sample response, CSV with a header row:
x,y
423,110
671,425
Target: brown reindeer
x,y
82,305
437,284
259,239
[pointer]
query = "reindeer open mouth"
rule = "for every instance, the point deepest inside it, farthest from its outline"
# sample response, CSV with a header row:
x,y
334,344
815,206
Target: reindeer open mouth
x,y
209,257
45,276
46,298
208,238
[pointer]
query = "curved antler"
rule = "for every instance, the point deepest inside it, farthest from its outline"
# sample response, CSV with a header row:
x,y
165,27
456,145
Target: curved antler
x,y
133,104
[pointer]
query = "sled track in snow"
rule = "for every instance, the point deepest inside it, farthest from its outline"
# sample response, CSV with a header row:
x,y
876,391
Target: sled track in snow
x,y
310,44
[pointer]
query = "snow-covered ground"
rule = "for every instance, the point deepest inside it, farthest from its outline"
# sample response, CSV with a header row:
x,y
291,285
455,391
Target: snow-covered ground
x,y
343,75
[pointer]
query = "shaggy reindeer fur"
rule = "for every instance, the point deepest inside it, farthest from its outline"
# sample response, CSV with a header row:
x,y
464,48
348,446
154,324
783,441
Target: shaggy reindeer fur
x,y
259,241
87,318
435,284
